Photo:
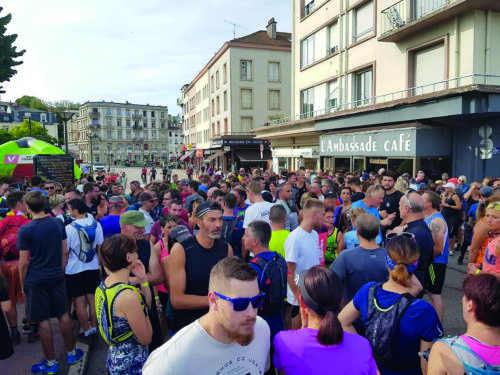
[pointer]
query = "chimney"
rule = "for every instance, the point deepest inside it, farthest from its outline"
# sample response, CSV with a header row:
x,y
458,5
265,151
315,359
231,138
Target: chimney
x,y
271,28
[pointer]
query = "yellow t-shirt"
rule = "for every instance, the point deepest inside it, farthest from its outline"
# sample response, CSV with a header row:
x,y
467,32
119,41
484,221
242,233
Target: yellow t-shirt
x,y
277,242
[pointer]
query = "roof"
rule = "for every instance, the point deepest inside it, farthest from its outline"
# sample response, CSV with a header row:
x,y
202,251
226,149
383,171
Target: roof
x,y
261,37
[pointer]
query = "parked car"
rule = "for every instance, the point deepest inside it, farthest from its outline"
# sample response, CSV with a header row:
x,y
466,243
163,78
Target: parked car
x,y
98,166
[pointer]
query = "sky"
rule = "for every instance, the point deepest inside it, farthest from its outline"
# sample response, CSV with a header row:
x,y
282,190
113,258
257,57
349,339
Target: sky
x,y
119,50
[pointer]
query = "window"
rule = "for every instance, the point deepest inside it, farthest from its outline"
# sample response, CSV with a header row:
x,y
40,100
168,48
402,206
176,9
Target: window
x,y
152,114
118,112
421,8
144,113
308,7
307,102
363,87
363,21
429,68
218,128
246,98
274,72
333,39
274,99
246,124
153,134
332,96
217,79
145,124
225,127
246,70
127,112
127,123
162,114
118,122
213,129
213,108
212,83
153,124
225,100
119,134
108,111
108,122
218,105
128,134
224,73
307,51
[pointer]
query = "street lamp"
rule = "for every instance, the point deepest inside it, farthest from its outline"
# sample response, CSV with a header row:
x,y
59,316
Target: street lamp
x,y
91,136
27,115
110,155
65,116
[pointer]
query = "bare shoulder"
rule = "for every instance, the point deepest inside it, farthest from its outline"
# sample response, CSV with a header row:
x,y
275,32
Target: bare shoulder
x,y
437,225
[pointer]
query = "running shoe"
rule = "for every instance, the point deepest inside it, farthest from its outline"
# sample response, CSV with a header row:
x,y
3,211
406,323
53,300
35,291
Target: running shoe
x,y
74,357
451,253
44,368
16,337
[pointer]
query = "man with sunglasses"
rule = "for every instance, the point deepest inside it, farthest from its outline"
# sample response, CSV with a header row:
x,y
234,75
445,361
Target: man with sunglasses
x,y
230,338
147,201
411,209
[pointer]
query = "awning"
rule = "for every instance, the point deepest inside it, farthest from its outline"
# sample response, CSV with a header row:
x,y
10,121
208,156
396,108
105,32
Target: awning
x,y
253,154
213,156
186,155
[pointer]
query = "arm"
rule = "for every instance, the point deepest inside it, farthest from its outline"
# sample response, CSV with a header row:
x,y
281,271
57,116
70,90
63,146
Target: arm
x,y
230,252
23,266
65,254
155,275
6,305
347,316
128,306
442,361
438,229
479,234
290,278
177,280
340,242
164,266
424,345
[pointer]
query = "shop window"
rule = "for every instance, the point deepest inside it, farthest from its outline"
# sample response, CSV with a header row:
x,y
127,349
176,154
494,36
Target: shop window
x,y
307,103
363,87
362,22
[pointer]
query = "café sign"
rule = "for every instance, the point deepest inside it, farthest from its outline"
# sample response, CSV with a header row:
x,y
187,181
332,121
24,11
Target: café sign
x,y
382,143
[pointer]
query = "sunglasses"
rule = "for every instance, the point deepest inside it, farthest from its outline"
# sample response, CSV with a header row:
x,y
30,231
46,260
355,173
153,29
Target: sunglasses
x,y
393,235
58,191
49,187
241,304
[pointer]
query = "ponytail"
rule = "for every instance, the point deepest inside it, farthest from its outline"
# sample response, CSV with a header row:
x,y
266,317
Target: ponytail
x,y
330,332
400,275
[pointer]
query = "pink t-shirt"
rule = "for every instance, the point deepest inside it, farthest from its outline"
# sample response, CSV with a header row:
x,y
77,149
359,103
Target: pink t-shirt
x,y
490,354
491,262
164,253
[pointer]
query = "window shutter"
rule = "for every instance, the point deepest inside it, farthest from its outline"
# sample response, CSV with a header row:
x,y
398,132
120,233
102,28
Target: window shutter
x,y
429,67
364,20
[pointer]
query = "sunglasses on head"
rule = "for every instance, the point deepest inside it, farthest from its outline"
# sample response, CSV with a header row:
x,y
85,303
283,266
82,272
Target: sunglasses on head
x,y
393,235
407,195
241,304
494,205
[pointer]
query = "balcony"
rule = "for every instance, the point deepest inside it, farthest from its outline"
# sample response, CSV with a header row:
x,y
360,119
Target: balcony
x,y
94,114
138,139
179,102
136,115
408,17
95,126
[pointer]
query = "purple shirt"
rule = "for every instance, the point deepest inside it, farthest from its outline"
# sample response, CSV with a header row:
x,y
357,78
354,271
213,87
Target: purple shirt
x,y
299,352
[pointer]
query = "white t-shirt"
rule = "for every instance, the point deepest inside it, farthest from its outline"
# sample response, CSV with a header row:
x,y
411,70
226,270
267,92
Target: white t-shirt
x,y
257,211
148,218
193,351
302,248
75,265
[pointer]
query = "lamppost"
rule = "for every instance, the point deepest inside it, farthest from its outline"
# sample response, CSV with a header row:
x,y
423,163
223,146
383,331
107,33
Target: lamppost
x,y
65,116
91,136
27,115
110,156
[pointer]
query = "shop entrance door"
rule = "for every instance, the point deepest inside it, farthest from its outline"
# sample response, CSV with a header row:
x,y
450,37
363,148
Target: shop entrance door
x,y
358,164
375,163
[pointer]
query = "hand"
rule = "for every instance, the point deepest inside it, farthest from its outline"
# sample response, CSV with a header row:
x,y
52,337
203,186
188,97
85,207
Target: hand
x,y
383,214
140,272
399,229
416,286
472,268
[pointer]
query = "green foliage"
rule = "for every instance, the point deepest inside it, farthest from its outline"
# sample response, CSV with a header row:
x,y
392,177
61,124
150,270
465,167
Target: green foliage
x,y
32,102
8,52
5,136
37,131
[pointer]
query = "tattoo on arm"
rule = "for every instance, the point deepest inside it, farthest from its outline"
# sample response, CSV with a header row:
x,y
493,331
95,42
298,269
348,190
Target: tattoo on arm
x,y
436,227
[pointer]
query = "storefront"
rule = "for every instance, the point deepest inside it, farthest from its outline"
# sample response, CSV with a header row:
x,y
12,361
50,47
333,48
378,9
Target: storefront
x,y
232,154
294,158
404,149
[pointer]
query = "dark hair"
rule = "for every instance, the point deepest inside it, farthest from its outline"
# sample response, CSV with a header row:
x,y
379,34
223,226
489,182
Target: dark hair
x,y
242,192
390,174
230,200
261,230
88,187
484,291
203,194
325,288
114,250
231,268
205,179
14,198
168,219
194,185
403,251
175,201
36,181
76,191
175,194
356,181
277,214
345,188
79,205
35,200
228,184
434,199
289,175
218,193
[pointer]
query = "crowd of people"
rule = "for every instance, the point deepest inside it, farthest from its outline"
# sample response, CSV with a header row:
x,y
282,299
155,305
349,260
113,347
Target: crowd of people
x,y
253,272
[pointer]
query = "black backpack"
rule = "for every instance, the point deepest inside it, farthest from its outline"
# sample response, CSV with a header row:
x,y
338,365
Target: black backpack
x,y
228,229
272,282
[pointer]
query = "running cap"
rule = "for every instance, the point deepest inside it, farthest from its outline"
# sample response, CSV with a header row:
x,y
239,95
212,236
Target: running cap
x,y
179,233
184,182
486,191
450,185
206,207
133,217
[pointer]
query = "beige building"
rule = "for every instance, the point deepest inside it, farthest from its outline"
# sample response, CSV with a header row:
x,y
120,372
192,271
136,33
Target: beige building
x,y
123,132
370,75
247,82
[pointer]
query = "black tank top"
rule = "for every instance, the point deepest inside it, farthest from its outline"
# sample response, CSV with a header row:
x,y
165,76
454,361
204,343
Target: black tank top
x,y
199,263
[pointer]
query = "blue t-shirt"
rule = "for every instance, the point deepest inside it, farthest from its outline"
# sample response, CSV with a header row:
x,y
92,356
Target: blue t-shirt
x,y
110,225
423,236
371,210
238,234
275,322
472,211
240,212
351,239
43,238
420,323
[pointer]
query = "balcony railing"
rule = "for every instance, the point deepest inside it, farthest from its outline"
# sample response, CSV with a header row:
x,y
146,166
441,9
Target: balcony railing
x,y
405,11
94,114
432,88
136,115
95,126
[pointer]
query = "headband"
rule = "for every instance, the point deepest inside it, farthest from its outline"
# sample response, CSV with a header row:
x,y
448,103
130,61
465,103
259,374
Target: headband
x,y
409,267
309,301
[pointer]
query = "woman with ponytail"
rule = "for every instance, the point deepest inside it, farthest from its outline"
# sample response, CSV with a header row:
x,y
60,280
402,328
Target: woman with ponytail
x,y
398,326
321,346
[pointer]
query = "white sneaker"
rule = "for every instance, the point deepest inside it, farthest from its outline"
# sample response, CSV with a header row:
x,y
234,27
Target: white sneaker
x,y
451,253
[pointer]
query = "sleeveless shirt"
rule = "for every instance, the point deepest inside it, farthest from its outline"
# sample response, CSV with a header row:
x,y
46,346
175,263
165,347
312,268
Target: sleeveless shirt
x,y
443,257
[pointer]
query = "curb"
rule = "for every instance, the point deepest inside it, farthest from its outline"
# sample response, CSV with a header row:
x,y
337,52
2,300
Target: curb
x,y
79,367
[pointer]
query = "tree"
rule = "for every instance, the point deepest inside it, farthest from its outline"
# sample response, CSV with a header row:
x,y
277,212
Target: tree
x,y
5,136
32,102
37,131
8,52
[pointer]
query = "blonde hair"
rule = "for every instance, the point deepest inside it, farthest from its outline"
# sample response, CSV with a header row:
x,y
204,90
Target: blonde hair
x,y
401,185
55,199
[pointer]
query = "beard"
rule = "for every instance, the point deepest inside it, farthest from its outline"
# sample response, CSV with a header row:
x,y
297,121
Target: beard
x,y
240,338
389,188
214,235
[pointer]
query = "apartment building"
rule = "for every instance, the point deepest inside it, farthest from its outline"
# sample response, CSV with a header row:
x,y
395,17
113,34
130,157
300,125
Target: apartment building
x,y
12,115
247,82
400,84
124,132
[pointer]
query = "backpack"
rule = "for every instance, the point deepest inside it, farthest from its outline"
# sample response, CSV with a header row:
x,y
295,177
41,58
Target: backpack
x,y
9,226
471,361
104,300
86,235
272,282
228,230
381,328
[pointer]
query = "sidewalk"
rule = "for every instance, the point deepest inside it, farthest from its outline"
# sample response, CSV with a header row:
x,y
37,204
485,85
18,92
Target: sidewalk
x,y
26,355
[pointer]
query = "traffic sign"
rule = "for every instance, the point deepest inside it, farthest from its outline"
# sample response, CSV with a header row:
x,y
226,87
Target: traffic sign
x,y
486,144
485,131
